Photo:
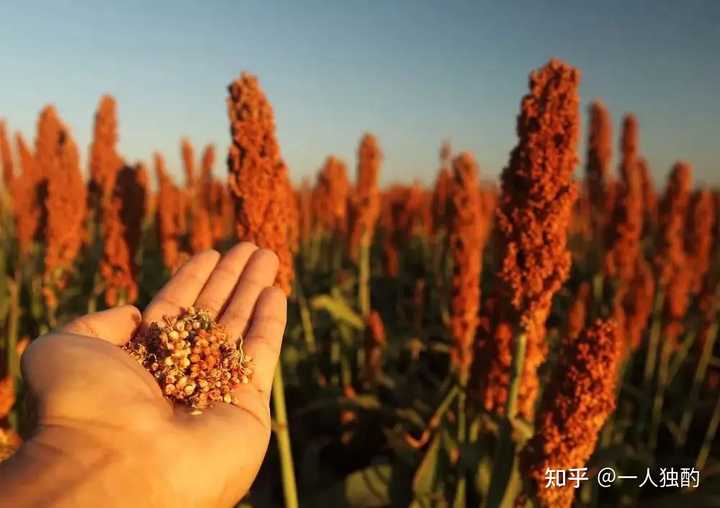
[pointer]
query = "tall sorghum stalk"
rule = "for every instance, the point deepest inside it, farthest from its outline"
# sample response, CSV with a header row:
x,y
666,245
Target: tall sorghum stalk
x,y
187,152
217,199
365,209
466,238
330,198
259,184
168,216
624,261
27,202
534,213
533,217
306,218
441,190
438,211
197,191
465,244
675,280
699,239
105,163
122,222
65,199
597,169
650,201
258,177
401,216
625,229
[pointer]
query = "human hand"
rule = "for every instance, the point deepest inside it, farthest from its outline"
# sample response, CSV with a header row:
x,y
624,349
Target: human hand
x,y
107,436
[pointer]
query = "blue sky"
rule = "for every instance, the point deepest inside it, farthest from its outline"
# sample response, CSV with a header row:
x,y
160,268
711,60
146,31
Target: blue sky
x,y
414,73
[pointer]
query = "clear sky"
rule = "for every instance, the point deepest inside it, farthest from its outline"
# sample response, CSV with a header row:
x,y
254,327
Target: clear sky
x,y
413,73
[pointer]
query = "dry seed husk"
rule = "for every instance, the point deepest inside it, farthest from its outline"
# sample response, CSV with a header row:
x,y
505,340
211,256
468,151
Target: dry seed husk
x,y
192,358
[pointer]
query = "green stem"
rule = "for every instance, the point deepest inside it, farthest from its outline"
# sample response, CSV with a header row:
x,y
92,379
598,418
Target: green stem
x,y
654,341
505,482
282,433
13,367
598,291
364,278
681,355
13,363
462,438
305,317
694,397
661,387
516,372
709,437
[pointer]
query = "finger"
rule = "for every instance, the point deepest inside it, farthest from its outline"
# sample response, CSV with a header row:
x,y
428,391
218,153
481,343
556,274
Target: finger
x,y
264,338
183,288
114,325
224,278
259,273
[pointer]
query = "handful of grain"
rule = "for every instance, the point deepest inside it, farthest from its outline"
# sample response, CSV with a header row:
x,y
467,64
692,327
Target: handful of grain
x,y
192,358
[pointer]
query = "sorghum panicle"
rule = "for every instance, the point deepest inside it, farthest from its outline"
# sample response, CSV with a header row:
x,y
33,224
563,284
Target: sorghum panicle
x,y
635,302
465,237
625,229
402,215
6,157
534,211
105,163
700,237
169,212
330,197
574,408
27,198
674,274
306,218
122,225
365,198
258,179
207,161
188,157
597,169
490,377
650,202
65,197
440,190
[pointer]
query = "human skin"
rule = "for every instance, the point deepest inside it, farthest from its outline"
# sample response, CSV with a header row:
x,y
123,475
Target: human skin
x,y
106,436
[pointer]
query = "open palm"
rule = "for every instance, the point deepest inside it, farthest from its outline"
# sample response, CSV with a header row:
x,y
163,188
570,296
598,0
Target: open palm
x,y
108,408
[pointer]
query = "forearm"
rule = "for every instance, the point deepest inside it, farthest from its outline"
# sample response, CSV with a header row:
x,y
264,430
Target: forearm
x,y
61,468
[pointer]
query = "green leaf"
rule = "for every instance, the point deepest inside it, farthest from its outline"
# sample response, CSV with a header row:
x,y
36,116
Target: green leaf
x,y
338,309
427,472
366,488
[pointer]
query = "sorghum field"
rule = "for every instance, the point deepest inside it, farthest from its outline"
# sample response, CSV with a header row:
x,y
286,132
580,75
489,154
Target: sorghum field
x,y
458,344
